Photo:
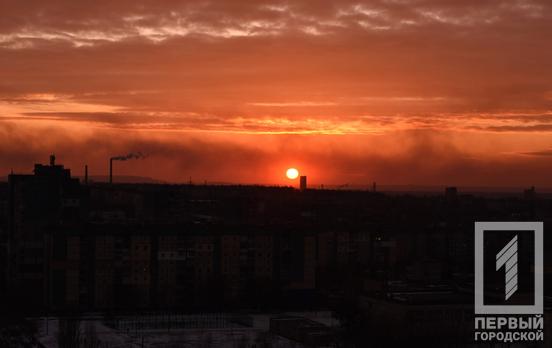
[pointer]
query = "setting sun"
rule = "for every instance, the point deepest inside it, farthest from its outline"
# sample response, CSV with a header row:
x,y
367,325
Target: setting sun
x,y
292,173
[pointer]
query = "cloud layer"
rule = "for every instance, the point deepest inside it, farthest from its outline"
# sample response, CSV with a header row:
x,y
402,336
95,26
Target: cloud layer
x,y
248,79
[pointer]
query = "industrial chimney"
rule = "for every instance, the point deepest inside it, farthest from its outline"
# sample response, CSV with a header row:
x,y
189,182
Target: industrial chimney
x,y
52,160
132,155
86,174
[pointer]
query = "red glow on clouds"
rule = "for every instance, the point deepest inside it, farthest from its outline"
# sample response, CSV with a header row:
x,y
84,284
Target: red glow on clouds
x,y
429,92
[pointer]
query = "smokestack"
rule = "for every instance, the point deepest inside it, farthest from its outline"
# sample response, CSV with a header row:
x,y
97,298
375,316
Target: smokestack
x,y
132,155
52,160
86,174
302,182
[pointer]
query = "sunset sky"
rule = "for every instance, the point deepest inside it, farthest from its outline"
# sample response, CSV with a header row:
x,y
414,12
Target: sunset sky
x,y
435,92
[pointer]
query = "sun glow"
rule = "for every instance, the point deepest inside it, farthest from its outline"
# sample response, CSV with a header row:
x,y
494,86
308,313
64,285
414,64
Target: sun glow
x,y
292,173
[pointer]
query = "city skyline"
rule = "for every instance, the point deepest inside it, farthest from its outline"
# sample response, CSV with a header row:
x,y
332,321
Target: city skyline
x,y
275,173
450,93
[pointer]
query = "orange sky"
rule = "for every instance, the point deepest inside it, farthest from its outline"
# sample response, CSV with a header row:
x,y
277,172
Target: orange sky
x,y
401,92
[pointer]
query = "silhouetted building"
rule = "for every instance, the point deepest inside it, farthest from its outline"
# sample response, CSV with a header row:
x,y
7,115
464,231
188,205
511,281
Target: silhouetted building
x,y
302,182
38,205
137,246
3,238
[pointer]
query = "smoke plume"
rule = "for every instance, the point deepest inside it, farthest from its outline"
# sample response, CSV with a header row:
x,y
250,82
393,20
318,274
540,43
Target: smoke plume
x,y
132,155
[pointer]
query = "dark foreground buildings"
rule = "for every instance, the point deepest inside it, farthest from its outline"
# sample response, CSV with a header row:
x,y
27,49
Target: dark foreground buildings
x,y
381,262
39,206
76,247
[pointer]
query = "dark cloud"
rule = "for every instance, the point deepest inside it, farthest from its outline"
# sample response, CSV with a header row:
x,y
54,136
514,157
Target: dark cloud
x,y
545,153
531,128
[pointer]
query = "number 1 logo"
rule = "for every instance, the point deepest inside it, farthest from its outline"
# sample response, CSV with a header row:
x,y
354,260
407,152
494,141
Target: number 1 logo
x,y
508,258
